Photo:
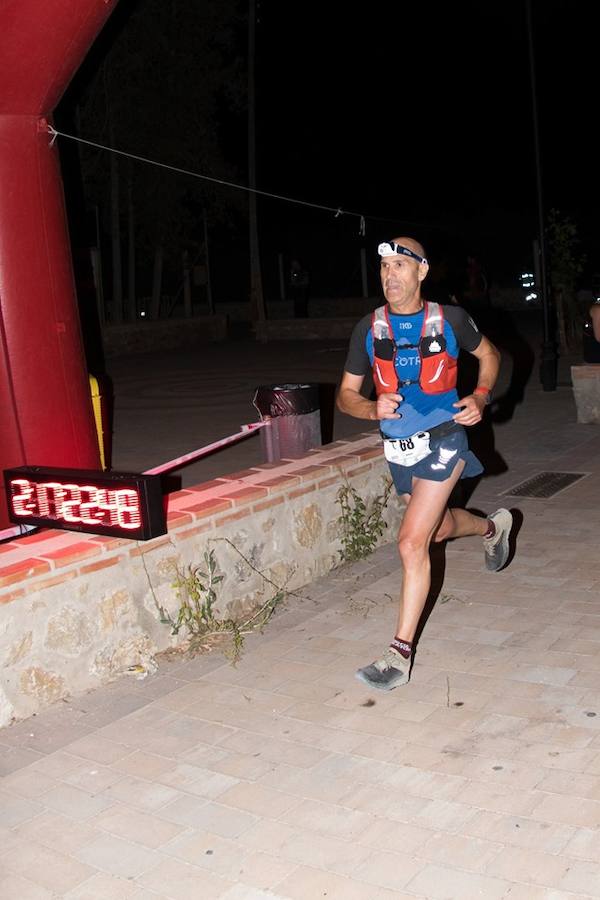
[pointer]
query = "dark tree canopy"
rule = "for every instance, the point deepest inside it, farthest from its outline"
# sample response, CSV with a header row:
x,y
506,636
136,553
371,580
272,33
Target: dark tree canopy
x,y
166,80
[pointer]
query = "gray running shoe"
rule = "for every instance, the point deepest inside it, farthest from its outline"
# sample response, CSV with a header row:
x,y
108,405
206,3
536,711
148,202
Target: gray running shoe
x,y
386,673
496,548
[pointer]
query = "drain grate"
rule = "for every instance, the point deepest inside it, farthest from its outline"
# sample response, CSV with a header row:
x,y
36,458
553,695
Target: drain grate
x,y
544,484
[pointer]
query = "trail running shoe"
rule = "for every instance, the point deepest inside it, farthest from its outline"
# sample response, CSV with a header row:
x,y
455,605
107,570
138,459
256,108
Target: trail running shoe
x,y
386,673
496,548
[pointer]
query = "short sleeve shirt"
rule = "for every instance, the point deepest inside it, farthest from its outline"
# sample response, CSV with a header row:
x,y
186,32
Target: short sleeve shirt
x,y
419,411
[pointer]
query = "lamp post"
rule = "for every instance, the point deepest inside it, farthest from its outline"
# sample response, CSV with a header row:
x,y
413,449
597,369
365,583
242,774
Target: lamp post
x,y
257,300
549,359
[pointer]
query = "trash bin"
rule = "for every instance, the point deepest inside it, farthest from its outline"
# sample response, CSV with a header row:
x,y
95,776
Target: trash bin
x,y
295,419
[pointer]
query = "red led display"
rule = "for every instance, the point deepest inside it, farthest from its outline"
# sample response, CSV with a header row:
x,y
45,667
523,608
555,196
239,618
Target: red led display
x,y
111,503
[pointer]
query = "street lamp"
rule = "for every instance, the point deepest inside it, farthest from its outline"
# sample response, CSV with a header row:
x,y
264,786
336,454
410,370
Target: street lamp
x,y
549,359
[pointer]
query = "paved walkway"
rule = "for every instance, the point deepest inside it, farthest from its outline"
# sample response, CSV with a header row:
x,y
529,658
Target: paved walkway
x,y
284,777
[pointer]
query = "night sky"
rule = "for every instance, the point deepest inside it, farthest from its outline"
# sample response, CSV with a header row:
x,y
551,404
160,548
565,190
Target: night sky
x,y
417,115
421,113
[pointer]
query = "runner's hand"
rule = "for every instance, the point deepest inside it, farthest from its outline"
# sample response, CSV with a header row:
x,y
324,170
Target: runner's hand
x,y
471,409
387,404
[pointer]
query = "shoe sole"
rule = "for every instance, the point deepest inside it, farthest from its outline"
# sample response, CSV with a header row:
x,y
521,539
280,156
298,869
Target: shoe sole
x,y
381,687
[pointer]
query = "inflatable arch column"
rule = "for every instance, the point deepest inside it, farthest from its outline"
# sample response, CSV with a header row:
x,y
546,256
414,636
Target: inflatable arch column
x,y
46,415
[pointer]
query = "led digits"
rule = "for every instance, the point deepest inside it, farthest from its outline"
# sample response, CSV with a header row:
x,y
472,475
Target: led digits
x,y
49,497
89,504
22,502
128,509
71,507
89,512
123,503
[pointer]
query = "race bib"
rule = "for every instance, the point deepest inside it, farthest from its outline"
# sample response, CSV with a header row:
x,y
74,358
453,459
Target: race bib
x,y
407,451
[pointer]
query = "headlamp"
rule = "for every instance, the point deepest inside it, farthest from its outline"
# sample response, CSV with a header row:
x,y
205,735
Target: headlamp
x,y
389,248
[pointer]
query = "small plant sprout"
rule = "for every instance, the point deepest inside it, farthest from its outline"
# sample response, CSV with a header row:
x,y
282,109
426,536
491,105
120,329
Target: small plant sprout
x,y
361,525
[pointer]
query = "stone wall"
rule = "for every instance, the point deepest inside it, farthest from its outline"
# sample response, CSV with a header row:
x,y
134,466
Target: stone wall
x,y
146,335
78,610
305,329
586,392
318,307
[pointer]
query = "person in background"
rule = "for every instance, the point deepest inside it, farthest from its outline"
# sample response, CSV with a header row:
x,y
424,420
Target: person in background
x,y
299,288
591,334
476,293
411,346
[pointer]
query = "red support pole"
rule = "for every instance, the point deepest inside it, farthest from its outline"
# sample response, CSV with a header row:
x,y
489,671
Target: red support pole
x,y
46,415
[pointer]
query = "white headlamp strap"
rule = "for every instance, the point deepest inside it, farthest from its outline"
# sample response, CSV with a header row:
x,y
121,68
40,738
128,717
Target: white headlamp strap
x,y
390,248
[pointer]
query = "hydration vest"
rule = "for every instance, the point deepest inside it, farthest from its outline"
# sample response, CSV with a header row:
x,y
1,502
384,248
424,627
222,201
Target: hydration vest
x,y
437,373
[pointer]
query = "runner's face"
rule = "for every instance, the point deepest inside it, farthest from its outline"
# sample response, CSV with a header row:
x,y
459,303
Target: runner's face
x,y
401,279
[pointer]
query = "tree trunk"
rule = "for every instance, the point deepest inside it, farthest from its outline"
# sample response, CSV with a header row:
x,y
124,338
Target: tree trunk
x,y
96,263
569,325
257,301
209,295
115,227
187,285
156,282
131,312
559,302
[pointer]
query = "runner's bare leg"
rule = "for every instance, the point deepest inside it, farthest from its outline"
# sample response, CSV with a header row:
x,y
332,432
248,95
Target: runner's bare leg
x,y
460,523
425,514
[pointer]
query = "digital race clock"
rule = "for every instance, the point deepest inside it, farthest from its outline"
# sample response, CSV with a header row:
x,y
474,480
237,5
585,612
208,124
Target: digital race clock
x,y
119,504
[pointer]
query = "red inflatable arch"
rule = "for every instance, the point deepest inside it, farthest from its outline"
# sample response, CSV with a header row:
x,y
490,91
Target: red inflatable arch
x,y
46,416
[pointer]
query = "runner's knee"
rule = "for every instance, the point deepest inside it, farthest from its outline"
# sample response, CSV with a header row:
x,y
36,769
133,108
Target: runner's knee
x,y
412,544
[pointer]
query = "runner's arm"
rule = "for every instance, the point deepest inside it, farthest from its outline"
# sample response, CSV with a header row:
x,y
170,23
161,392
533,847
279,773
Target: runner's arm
x,y
350,400
471,407
489,364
